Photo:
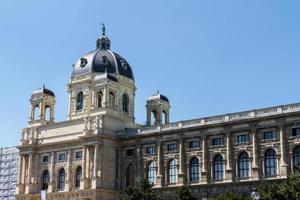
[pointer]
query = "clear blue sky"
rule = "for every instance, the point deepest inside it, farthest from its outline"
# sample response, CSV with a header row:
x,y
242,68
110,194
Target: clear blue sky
x,y
208,57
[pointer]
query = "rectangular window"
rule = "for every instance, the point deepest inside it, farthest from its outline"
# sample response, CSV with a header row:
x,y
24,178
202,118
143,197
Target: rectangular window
x,y
268,135
296,131
194,144
78,155
62,156
242,139
129,152
150,150
171,147
45,159
217,141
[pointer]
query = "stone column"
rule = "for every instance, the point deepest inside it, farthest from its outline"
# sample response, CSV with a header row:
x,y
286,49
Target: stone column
x,y
204,173
68,185
52,173
159,179
283,156
21,175
255,164
181,174
28,184
95,178
83,180
292,163
166,174
229,174
140,165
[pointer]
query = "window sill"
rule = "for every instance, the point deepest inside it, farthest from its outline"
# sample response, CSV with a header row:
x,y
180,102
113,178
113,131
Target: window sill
x,y
269,140
172,152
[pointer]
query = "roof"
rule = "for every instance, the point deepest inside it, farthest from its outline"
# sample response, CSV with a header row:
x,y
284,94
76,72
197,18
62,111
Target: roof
x,y
102,60
43,90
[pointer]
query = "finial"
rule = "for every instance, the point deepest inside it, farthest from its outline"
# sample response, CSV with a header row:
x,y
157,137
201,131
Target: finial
x,y
103,28
43,85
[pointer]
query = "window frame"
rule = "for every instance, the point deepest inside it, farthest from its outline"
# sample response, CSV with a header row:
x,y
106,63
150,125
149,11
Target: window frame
x,y
173,145
243,165
151,153
217,144
194,170
218,168
75,155
190,142
78,177
241,140
152,172
172,172
61,153
297,129
271,163
266,134
79,101
61,182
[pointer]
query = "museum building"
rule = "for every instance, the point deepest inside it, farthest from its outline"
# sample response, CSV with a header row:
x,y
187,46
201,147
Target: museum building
x,y
100,149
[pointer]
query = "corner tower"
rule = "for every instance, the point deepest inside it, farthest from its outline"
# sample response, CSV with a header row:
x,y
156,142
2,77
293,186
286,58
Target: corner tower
x,y
158,109
102,84
42,104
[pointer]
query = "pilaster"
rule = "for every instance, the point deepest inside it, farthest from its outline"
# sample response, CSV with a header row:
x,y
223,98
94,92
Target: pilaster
x,y
229,171
181,174
204,172
283,156
255,164
159,178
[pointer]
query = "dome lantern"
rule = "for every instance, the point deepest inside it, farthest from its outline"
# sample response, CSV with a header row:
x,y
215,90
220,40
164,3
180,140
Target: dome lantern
x,y
103,42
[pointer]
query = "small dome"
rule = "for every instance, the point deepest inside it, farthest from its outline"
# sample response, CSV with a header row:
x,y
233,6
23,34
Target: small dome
x,y
43,90
103,60
159,97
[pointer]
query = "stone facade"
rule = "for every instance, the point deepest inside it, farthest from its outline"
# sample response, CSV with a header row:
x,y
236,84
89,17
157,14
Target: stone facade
x,y
9,158
100,150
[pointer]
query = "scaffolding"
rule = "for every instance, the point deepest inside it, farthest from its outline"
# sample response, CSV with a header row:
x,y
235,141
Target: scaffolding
x,y
9,160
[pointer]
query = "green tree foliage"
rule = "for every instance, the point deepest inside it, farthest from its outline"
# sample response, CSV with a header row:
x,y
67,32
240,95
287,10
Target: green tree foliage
x,y
142,192
231,196
184,194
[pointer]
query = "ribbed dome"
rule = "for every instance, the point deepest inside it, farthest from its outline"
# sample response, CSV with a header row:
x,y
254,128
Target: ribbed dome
x,y
103,60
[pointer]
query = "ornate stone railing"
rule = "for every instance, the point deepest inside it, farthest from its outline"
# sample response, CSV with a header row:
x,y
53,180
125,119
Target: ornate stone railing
x,y
232,117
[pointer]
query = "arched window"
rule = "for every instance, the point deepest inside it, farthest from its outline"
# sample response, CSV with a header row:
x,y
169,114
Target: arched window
x,y
125,102
163,117
112,100
78,176
45,180
153,117
99,99
243,165
218,167
79,101
47,113
296,156
172,171
129,175
194,170
152,172
61,179
270,163
36,112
